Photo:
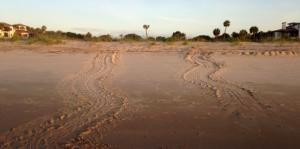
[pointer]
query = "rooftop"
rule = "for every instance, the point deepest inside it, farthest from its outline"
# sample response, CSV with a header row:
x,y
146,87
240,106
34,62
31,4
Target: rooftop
x,y
3,24
19,25
294,23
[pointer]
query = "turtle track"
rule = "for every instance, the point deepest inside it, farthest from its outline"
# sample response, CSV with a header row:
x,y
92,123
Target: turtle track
x,y
235,101
89,107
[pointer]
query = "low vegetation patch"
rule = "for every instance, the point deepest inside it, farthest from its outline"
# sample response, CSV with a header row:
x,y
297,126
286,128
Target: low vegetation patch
x,y
202,38
45,39
132,37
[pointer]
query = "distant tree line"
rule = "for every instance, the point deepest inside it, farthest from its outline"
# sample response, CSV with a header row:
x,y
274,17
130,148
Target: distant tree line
x,y
243,35
253,34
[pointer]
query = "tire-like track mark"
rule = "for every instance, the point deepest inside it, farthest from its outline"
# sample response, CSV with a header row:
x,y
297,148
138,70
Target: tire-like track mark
x,y
89,107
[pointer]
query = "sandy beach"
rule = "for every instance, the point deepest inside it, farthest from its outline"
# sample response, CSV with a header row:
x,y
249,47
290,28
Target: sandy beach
x,y
133,95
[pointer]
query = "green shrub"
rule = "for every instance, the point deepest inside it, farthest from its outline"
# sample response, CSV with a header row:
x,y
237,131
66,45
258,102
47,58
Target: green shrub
x,y
223,37
16,37
201,38
45,39
161,39
132,37
151,39
178,36
71,35
243,35
235,35
88,37
105,38
170,39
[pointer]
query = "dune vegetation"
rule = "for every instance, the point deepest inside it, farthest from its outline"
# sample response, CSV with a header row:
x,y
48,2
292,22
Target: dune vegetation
x,y
253,34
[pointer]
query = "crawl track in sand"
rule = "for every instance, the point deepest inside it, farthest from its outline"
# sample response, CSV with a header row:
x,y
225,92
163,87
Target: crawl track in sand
x,y
234,100
89,105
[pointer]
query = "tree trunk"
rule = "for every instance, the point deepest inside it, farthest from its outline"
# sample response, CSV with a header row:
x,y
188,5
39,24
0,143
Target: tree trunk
x,y
146,33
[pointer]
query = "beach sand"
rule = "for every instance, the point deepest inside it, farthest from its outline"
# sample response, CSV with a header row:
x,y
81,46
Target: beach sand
x,y
142,95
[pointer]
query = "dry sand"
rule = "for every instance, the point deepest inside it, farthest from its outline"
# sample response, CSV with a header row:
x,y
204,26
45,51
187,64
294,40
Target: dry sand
x,y
140,95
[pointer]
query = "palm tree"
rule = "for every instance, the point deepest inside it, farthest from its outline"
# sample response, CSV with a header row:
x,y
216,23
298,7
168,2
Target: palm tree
x,y
146,27
254,30
226,25
217,32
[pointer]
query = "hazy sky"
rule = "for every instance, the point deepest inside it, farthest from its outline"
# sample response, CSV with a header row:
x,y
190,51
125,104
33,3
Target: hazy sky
x,y
193,17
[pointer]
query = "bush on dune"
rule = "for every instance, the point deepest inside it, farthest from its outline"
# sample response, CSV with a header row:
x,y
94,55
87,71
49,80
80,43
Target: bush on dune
x,y
71,35
42,35
45,39
16,38
105,38
151,39
223,37
178,36
88,37
161,39
132,37
201,38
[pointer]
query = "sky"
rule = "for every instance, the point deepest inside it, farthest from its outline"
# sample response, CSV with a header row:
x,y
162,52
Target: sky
x,y
193,17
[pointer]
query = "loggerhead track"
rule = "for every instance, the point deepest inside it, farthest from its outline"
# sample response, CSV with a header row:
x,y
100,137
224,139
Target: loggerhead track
x,y
234,100
89,106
